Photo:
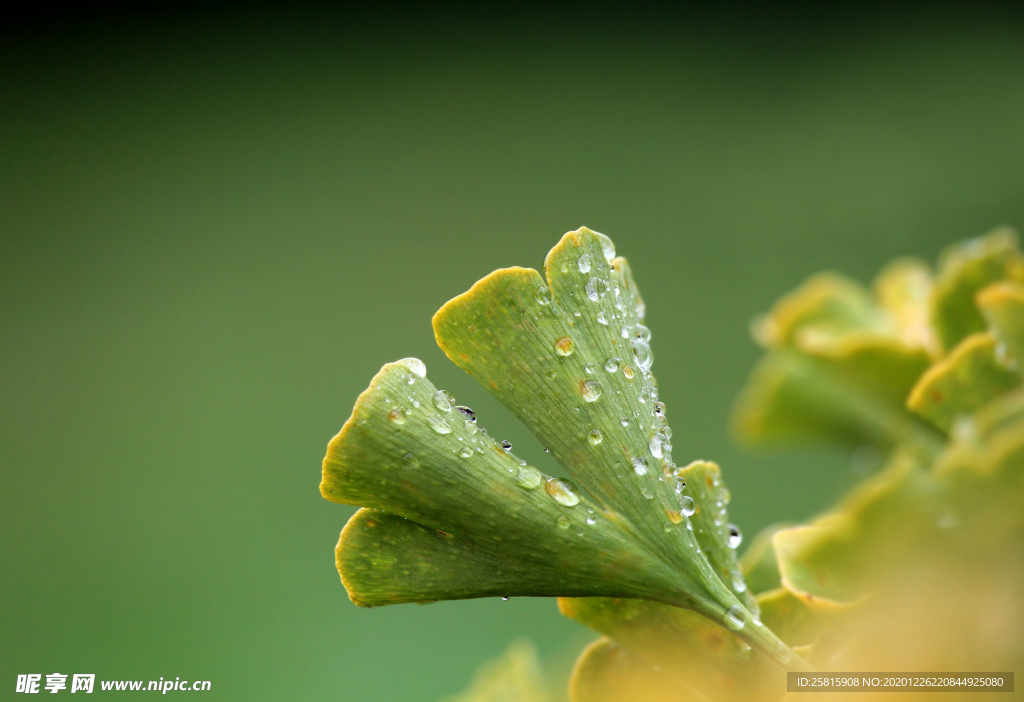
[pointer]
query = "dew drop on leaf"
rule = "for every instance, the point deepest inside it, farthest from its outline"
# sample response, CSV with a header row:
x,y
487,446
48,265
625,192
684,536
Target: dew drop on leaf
x,y
507,445
602,318
595,437
563,347
589,368
470,414
543,296
640,465
607,247
735,537
416,366
440,425
443,400
591,390
466,452
397,416
563,491
528,477
655,446
562,521
687,505
628,372
612,364
642,333
596,289
583,263
642,355
734,618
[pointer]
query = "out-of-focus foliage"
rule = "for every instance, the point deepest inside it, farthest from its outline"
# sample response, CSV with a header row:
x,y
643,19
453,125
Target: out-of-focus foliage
x,y
514,677
919,568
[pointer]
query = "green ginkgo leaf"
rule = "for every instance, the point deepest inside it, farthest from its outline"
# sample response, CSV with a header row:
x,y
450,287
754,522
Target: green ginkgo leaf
x,y
971,375
964,269
457,515
710,659
832,563
840,363
1002,305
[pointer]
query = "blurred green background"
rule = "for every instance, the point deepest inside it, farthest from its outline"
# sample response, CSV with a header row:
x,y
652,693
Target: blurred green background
x,y
215,230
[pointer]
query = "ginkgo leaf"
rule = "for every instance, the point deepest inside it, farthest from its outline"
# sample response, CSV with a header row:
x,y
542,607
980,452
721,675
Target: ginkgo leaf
x,y
1002,305
971,375
833,562
840,363
570,357
515,676
964,269
508,529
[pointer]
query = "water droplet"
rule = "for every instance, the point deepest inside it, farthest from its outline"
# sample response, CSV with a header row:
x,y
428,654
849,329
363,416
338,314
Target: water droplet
x,y
687,506
648,393
397,416
665,431
583,263
411,378
591,390
507,445
734,618
563,347
505,598
563,491
596,289
624,421
726,496
659,409
595,437
625,332
607,247
470,414
642,355
642,333
738,583
443,400
543,296
416,366
466,452
646,491
562,521
564,268
410,459
628,372
589,368
674,517
735,537
551,373
602,318
655,446
640,465
440,425
612,364
528,477
591,521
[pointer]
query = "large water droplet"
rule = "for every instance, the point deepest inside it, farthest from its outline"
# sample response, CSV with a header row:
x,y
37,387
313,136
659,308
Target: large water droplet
x,y
687,505
642,333
738,583
528,477
734,618
470,414
659,410
466,452
602,318
416,366
640,465
596,289
563,347
591,390
624,332
443,400
563,491
607,247
583,263
642,355
506,445
591,521
654,445
562,522
440,425
612,364
543,296
397,416
735,537
594,437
